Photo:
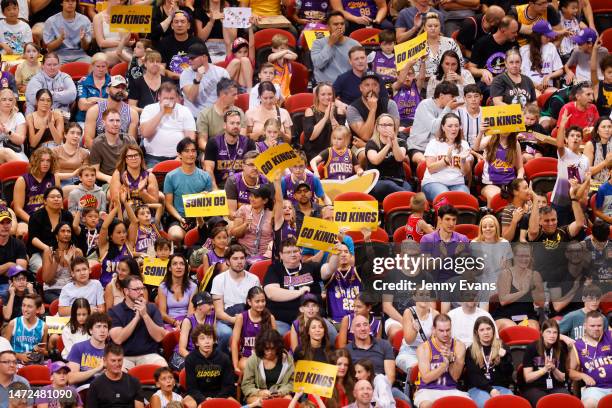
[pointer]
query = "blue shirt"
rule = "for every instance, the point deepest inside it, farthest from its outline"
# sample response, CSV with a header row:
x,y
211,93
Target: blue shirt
x,y
348,241
4,395
318,187
604,198
87,89
178,183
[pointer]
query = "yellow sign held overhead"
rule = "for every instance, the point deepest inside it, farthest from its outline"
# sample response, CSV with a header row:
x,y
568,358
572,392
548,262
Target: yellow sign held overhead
x,y
410,50
318,234
313,377
311,35
131,19
154,271
356,214
56,324
277,159
206,204
503,119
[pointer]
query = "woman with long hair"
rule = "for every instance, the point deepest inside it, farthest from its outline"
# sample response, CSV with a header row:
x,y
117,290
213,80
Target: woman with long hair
x,y
541,60
12,128
45,125
321,119
386,152
70,156
75,331
29,188
112,243
488,365
448,160
56,262
519,195
383,393
345,379
450,70
269,370
544,364
107,40
284,218
209,25
597,151
144,90
175,292
519,288
132,176
437,44
512,86
268,109
113,293
503,161
315,344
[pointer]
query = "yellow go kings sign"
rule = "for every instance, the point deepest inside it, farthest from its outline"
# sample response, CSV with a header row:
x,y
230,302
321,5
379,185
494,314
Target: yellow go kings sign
x,y
313,377
503,119
318,234
410,50
356,214
277,159
131,19
154,271
206,204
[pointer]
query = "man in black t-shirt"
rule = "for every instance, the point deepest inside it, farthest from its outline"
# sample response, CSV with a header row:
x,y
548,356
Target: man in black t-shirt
x,y
474,28
114,388
12,251
173,48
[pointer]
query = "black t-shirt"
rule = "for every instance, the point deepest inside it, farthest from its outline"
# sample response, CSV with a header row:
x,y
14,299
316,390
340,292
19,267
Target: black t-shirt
x,y
309,274
534,360
106,393
403,299
13,250
140,342
217,30
550,259
140,91
174,53
488,54
389,167
512,92
39,227
471,31
43,15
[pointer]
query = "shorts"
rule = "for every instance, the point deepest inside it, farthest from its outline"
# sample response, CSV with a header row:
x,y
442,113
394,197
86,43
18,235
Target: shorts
x,y
594,393
432,395
412,152
357,150
390,322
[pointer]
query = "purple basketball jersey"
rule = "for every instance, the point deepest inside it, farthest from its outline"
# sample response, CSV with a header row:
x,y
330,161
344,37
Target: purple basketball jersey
x,y
290,186
384,66
339,166
360,8
134,194
250,330
407,99
145,238
109,265
500,171
243,189
341,293
445,381
34,191
597,361
229,160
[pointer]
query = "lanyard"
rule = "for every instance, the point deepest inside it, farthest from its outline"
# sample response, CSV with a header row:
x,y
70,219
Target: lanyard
x,y
550,358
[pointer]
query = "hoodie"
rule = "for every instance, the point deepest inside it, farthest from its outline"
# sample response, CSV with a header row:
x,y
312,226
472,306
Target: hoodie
x,y
209,377
62,88
81,197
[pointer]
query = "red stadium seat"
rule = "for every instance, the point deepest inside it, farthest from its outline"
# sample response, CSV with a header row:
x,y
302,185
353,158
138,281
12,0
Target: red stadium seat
x,y
219,403
169,342
363,36
396,207
401,404
191,237
162,168
95,271
606,38
421,171
542,172
605,402
454,402
13,69
54,307
469,230
606,301
354,196
37,375
498,204
543,98
60,344
378,235
120,69
400,234
396,341
507,401
601,6
242,102
276,403
76,70
519,335
260,268
559,400
12,170
263,38
144,373
287,340
299,102
466,204
299,78
222,64
183,380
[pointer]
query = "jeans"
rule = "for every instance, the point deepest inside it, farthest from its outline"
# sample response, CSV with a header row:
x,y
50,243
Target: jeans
x,y
224,332
4,292
480,397
385,187
151,160
432,190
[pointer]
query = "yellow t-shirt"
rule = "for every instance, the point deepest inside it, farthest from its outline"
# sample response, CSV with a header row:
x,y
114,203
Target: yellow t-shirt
x,y
521,13
265,8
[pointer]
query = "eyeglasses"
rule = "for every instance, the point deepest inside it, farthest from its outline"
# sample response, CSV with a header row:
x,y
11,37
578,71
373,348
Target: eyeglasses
x,y
9,362
139,289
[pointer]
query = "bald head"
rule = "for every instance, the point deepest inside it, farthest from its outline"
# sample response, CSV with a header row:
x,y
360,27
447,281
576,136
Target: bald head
x,y
494,15
363,392
361,328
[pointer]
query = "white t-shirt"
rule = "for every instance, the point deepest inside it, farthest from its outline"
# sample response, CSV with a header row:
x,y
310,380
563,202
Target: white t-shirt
x,y
4,344
573,26
470,124
207,94
170,131
15,36
93,292
233,292
449,176
254,96
580,163
462,327
551,61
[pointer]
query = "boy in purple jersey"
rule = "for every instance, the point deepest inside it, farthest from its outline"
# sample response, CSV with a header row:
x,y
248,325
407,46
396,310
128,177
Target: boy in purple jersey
x,y
85,358
441,360
383,61
591,360
406,92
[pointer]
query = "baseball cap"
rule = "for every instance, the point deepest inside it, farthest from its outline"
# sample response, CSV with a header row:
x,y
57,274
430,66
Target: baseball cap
x,y
238,43
5,214
201,298
370,74
58,365
117,80
300,185
309,297
586,35
15,270
543,27
197,50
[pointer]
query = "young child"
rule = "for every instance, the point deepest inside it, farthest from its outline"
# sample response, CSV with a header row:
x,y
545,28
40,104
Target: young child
x,y
338,161
76,331
29,67
471,116
581,57
87,193
113,245
281,58
81,287
142,233
164,380
19,288
216,254
272,129
248,325
241,61
135,60
361,308
569,10
529,146
27,333
299,174
406,92
603,205
66,394
266,74
14,33
87,233
7,80
416,226
310,308
204,313
383,61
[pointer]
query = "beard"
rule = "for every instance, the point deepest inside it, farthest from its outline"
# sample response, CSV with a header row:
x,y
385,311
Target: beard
x,y
118,96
